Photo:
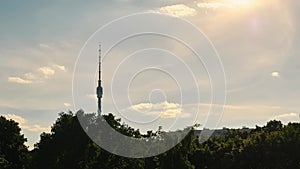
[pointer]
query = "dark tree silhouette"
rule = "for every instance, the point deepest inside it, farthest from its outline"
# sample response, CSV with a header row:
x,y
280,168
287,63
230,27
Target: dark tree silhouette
x,y
274,146
13,152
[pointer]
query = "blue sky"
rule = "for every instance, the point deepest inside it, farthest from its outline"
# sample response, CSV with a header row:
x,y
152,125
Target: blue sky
x,y
257,41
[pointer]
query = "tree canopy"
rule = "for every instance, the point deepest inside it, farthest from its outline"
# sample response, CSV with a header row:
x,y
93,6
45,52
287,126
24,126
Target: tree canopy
x,y
13,152
67,146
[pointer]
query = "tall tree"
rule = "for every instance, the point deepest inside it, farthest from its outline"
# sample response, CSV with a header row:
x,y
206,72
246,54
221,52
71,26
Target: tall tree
x,y
13,152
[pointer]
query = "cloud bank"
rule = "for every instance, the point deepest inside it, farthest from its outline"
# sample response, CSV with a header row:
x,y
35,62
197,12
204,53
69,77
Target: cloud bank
x,y
38,76
178,10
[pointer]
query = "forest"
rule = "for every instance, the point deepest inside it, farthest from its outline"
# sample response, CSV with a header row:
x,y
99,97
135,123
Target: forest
x,y
273,146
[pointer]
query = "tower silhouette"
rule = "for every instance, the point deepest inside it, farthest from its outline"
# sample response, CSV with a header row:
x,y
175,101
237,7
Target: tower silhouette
x,y
99,88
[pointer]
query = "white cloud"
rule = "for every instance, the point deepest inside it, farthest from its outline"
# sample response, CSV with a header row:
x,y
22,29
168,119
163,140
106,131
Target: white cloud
x,y
67,104
16,118
60,67
163,109
23,124
141,106
166,114
19,80
172,110
46,71
178,10
275,74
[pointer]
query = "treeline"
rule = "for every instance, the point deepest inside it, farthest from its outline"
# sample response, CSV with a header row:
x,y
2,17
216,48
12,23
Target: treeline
x,y
273,146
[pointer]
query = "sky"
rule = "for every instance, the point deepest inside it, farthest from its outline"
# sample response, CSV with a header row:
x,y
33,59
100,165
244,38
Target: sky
x,y
257,43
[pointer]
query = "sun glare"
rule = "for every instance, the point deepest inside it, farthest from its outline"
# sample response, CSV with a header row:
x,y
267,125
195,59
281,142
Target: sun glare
x,y
241,2
226,4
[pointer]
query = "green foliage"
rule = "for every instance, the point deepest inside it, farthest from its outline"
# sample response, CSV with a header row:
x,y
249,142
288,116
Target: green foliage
x,y
68,146
273,146
63,147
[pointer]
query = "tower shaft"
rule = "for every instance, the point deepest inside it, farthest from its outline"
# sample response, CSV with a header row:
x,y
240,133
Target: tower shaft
x,y
99,88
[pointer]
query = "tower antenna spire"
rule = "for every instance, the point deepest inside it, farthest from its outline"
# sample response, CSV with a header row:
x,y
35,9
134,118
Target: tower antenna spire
x,y
99,88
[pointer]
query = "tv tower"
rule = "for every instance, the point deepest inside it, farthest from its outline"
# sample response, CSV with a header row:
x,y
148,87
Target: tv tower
x,y
99,88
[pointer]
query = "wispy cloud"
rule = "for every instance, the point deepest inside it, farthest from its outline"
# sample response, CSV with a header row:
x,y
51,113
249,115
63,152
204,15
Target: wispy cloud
x,y
172,110
39,75
241,107
24,124
65,44
178,10
60,67
19,80
16,118
44,46
35,128
30,76
286,115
